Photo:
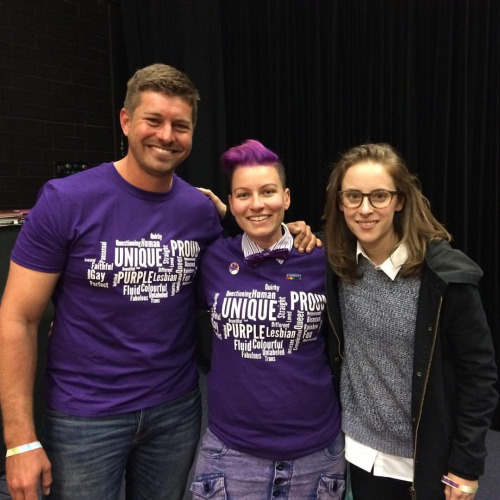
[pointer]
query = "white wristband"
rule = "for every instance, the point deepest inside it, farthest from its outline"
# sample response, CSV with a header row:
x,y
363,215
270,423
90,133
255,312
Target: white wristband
x,y
462,487
23,449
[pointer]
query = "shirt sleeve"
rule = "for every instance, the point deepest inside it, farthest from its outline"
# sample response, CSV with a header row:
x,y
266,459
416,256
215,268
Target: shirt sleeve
x,y
43,241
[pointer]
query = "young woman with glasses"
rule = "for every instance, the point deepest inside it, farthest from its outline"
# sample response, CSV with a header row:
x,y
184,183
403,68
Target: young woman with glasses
x,y
410,344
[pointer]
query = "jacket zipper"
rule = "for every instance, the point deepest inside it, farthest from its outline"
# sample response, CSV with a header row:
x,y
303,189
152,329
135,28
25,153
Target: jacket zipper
x,y
339,350
413,491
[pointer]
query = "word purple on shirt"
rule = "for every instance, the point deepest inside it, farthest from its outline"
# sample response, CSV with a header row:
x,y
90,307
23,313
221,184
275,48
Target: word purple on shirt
x,y
123,337
270,390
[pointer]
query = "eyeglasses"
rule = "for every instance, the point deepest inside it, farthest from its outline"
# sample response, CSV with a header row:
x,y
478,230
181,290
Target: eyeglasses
x,y
380,198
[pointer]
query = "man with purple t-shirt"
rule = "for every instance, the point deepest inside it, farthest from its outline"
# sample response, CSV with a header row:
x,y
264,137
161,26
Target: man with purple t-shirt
x,y
116,248
273,415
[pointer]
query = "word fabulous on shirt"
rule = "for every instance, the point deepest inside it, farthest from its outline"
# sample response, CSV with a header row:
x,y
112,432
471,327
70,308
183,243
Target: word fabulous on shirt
x,y
266,324
145,270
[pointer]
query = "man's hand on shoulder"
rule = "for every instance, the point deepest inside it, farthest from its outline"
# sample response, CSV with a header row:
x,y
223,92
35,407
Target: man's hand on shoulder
x,y
304,240
219,205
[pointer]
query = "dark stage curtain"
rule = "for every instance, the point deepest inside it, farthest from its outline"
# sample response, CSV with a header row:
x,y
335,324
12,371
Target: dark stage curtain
x,y
310,78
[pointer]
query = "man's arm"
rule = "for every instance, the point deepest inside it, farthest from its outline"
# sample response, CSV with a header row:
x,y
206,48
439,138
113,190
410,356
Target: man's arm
x,y
219,204
25,298
304,239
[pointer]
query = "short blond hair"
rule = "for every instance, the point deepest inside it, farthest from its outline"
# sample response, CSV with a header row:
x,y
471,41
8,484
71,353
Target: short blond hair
x,y
161,78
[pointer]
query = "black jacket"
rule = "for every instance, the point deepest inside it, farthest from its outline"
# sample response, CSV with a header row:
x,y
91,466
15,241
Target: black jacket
x,y
454,369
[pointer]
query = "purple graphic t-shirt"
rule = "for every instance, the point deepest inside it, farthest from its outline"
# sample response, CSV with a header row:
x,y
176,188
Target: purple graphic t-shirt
x,y
270,391
122,337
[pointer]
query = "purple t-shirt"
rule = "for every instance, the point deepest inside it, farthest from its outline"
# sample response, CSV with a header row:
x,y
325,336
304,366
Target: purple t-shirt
x,y
122,338
270,390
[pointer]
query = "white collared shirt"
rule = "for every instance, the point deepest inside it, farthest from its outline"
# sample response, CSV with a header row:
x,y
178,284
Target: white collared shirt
x,y
392,264
365,457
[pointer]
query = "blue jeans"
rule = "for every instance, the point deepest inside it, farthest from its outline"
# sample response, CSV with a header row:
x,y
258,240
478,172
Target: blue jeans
x,y
4,491
222,473
154,448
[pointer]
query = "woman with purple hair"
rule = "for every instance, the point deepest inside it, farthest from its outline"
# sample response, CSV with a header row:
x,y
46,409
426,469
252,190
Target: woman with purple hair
x,y
273,415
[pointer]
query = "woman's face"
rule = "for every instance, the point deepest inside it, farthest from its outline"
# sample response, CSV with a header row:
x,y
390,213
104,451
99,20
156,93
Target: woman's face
x,y
258,202
373,227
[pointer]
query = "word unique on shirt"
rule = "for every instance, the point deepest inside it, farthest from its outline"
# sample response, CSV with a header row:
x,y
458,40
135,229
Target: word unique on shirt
x,y
145,270
264,324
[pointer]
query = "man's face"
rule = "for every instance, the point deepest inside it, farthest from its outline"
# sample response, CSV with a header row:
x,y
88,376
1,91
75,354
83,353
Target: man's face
x,y
159,132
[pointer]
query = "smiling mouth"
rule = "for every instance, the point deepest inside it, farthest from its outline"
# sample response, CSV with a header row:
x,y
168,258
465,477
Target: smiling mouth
x,y
258,218
164,151
367,224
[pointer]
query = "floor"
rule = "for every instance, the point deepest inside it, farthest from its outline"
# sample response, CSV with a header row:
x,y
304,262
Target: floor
x,y
488,484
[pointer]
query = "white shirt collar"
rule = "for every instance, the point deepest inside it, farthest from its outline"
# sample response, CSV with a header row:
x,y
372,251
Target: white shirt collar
x,y
392,264
249,247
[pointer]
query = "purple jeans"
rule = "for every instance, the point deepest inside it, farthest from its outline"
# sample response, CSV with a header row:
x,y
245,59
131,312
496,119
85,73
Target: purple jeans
x,y
222,473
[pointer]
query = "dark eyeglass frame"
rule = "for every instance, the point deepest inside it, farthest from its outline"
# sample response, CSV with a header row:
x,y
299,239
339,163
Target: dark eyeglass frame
x,y
367,195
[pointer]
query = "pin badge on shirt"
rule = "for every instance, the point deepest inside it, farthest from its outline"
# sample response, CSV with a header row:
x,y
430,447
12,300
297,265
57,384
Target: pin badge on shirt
x,y
234,268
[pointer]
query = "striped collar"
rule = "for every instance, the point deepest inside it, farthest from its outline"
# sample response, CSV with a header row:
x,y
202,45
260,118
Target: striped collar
x,y
249,247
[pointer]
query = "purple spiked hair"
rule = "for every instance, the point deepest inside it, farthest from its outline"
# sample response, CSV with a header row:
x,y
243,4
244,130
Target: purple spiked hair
x,y
251,153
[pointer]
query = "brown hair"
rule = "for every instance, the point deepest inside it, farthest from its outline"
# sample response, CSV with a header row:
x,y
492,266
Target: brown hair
x,y
161,78
414,224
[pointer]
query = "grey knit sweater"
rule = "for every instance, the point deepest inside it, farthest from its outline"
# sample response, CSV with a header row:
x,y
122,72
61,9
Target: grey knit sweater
x,y
379,324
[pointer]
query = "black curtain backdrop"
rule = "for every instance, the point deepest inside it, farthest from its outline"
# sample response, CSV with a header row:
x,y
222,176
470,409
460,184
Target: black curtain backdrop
x,y
311,78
